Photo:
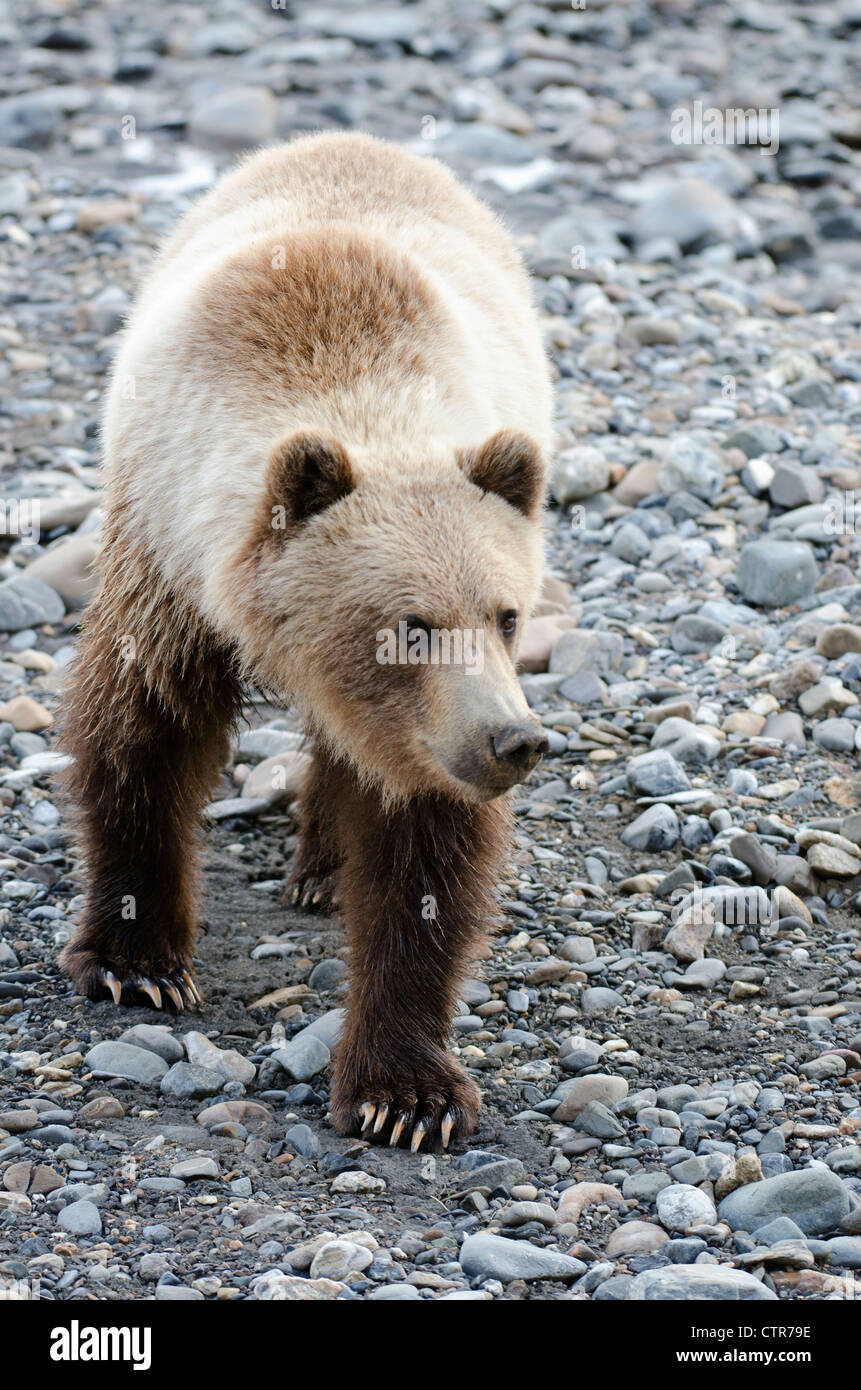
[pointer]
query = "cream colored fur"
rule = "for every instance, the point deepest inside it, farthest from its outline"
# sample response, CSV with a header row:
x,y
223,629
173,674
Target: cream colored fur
x,y
215,369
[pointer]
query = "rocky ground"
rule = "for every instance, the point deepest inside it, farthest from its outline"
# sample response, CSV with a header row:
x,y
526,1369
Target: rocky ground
x,y
667,1024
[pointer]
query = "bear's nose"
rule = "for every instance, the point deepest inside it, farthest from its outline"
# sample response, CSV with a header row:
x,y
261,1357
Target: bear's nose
x,y
519,747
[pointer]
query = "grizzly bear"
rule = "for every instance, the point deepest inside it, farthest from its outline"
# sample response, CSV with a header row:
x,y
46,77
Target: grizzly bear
x,y
329,419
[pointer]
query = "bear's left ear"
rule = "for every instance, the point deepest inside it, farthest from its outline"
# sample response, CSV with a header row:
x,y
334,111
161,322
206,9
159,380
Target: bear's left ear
x,y
307,473
511,465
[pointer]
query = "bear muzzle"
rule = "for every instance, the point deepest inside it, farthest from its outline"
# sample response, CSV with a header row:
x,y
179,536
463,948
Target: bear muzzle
x,y
518,748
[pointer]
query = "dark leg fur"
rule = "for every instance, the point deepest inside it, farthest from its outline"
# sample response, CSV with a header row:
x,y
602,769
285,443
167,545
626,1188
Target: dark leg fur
x,y
149,736
416,887
312,885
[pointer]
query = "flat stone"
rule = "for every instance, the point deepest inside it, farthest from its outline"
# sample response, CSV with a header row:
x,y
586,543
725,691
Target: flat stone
x,y
496,1257
814,1198
608,1090
716,1283
124,1060
187,1082
153,1039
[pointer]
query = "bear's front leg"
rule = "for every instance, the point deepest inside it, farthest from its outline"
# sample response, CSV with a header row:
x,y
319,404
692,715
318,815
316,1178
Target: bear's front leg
x,y
312,885
146,720
416,887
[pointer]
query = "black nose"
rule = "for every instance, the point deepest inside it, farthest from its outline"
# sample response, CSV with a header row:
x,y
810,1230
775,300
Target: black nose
x,y
520,746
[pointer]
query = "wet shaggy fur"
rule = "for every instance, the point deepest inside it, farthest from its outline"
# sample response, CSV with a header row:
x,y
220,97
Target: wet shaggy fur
x,y
331,408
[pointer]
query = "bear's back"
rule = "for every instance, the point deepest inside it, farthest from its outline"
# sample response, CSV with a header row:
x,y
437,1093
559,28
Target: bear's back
x,y
336,282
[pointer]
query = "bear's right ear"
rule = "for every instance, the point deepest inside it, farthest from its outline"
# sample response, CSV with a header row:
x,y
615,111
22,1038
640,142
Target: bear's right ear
x,y
307,473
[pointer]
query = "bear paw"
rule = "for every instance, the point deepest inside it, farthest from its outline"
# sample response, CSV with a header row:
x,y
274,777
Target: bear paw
x,y
95,977
312,892
439,1102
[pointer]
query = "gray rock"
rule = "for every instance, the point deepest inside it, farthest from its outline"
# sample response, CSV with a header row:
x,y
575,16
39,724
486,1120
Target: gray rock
x,y
656,773
837,735
81,1219
268,743
600,1000
304,1057
689,211
198,1166
774,574
579,473
121,1059
694,633
794,485
477,1169
235,118
365,25
27,602
153,1039
717,1283
845,1251
690,466
644,1187
597,1120
754,438
185,1081
579,649
814,1198
656,829
781,1228
496,1257
630,543
681,1206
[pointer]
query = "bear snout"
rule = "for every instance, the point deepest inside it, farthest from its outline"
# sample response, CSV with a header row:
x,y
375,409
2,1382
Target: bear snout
x,y
518,747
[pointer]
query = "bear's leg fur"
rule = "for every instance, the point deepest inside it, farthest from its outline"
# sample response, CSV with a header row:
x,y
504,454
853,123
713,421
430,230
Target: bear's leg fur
x,y
312,882
416,887
147,720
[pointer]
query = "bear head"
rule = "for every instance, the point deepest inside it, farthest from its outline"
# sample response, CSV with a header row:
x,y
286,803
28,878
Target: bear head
x,y
387,602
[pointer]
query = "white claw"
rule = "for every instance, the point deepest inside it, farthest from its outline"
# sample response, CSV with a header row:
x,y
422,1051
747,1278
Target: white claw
x,y
367,1111
382,1116
113,985
175,995
447,1128
419,1133
397,1130
151,991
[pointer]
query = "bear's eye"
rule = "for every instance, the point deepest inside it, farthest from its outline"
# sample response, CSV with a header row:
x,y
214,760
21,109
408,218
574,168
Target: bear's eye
x,y
414,623
507,621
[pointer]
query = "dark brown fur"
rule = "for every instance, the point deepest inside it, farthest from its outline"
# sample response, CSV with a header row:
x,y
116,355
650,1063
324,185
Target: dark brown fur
x,y
149,734
415,888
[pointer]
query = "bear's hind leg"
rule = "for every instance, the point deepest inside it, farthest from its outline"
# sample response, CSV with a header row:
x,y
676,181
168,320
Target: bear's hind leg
x,y
312,884
416,888
147,720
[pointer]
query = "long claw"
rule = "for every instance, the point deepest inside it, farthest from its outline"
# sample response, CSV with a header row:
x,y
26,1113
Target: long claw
x,y
447,1128
174,994
296,894
191,990
151,991
382,1116
367,1111
398,1129
419,1133
113,985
